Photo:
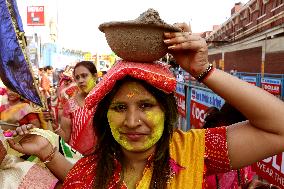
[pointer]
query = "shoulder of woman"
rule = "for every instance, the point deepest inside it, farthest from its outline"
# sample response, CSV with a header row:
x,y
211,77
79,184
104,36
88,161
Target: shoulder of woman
x,y
180,136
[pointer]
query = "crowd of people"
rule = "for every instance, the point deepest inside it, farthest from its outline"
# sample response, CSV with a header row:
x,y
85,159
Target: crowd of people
x,y
124,127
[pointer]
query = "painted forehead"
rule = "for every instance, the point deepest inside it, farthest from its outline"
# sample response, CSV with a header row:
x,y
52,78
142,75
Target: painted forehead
x,y
81,69
132,89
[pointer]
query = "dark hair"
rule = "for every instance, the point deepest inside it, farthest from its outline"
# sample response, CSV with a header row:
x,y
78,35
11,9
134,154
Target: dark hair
x,y
227,115
108,149
87,64
48,68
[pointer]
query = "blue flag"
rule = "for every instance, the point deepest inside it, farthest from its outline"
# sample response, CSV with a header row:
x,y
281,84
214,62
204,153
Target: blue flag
x,y
15,69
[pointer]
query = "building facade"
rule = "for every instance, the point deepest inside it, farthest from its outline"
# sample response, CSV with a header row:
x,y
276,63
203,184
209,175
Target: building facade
x,y
252,40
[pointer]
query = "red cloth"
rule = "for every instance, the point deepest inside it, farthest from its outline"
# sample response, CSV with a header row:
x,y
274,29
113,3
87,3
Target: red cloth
x,y
156,74
3,91
28,118
230,179
83,137
82,175
216,151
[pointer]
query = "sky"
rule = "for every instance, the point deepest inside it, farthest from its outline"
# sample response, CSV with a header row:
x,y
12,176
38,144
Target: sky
x,y
78,20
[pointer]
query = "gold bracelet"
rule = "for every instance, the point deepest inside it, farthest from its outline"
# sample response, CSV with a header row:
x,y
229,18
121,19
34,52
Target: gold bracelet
x,y
203,75
50,156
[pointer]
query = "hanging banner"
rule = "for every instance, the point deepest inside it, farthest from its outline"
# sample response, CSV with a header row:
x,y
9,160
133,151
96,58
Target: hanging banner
x,y
35,15
200,101
271,169
249,79
271,85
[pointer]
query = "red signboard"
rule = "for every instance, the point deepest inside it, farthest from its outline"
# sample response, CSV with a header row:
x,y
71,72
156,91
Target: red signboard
x,y
271,169
197,114
35,15
200,101
271,85
181,104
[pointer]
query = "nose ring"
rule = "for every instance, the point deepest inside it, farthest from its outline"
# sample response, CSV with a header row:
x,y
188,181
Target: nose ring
x,y
139,121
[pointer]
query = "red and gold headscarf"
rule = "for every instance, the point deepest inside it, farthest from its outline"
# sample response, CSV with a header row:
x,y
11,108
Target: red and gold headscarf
x,y
156,74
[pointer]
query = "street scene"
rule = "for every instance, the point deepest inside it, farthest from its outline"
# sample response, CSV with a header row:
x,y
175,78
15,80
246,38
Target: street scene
x,y
98,95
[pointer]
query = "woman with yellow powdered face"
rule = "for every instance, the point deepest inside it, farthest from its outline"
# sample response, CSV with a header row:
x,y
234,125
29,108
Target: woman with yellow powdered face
x,y
135,113
70,127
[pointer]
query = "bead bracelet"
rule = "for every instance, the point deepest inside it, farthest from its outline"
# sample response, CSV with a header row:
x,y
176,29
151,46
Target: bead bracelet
x,y
204,74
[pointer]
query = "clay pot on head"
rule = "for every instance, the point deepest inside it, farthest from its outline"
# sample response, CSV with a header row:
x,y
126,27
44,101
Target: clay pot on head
x,y
139,40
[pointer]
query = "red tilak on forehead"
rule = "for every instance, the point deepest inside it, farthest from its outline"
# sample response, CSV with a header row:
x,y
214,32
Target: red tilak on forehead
x,y
156,74
130,95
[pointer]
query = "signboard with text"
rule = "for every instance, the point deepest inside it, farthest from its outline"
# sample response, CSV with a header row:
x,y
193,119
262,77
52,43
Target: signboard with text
x,y
181,104
249,79
271,169
273,86
35,15
180,89
200,101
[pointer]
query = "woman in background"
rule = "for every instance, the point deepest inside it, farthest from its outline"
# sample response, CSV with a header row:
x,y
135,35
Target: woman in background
x,y
71,125
19,112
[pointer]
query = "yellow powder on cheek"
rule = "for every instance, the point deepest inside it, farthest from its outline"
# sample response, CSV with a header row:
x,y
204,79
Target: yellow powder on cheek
x,y
91,83
114,124
157,119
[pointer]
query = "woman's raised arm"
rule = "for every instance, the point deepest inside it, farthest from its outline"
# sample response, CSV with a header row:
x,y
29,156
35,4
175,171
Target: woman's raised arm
x,y
260,137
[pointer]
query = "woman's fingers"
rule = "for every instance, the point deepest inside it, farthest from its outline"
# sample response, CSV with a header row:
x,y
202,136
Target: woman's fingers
x,y
182,37
30,144
183,26
184,40
24,129
16,146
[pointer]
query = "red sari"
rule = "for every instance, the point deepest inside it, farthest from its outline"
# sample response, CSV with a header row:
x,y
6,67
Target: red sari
x,y
215,159
83,137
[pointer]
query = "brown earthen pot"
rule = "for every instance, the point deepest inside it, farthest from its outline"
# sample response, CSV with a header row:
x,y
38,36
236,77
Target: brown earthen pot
x,y
136,42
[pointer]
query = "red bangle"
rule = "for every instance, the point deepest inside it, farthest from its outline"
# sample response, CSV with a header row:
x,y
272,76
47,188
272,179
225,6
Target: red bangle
x,y
209,73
